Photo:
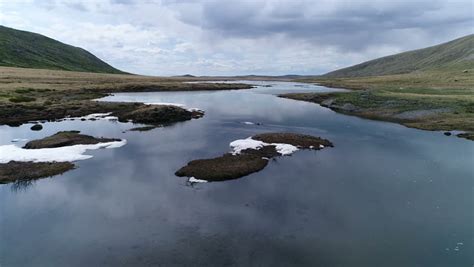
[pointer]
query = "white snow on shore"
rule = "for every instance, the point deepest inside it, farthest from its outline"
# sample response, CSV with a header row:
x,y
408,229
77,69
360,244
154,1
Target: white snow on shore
x,y
96,116
195,109
238,146
175,104
194,180
242,144
285,149
165,104
58,154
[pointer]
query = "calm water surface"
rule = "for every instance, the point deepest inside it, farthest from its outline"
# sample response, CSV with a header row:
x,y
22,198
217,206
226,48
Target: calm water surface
x,y
385,195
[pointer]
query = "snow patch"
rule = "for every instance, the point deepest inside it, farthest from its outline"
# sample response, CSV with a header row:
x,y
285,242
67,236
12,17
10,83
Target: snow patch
x,y
243,144
285,149
165,104
110,118
194,180
96,116
176,105
238,146
58,154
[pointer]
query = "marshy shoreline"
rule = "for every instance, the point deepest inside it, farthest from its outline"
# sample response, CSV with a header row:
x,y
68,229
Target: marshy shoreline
x,y
42,95
55,96
431,100
39,96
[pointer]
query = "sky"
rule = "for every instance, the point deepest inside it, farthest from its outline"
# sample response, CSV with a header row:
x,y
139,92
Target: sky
x,y
227,37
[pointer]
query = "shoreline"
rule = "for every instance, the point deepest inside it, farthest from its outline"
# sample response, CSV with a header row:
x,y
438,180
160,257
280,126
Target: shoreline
x,y
44,95
416,122
432,101
249,156
64,95
49,156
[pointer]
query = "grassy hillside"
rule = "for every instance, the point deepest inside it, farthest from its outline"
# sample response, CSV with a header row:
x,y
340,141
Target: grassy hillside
x,y
454,55
30,50
431,88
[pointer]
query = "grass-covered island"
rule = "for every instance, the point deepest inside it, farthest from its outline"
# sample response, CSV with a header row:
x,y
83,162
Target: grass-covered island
x,y
14,171
250,155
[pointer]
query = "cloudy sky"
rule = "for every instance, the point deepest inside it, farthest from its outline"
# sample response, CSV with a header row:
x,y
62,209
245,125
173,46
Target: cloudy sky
x,y
226,37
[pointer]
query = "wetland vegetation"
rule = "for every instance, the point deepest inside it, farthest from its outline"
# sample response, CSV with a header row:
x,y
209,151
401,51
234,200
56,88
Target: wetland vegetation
x,y
250,155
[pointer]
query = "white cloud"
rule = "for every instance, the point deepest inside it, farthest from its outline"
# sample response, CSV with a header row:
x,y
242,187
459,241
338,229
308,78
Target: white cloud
x,y
171,37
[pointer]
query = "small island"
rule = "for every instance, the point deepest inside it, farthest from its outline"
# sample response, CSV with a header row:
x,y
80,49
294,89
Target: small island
x,y
39,159
67,138
249,156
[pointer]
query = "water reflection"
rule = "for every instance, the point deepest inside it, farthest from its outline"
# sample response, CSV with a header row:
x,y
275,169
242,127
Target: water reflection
x,y
21,185
384,193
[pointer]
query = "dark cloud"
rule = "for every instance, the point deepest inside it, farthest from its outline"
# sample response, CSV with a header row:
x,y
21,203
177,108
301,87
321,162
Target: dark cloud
x,y
231,37
347,25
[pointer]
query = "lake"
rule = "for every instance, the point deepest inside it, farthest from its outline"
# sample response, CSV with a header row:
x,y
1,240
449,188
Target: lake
x,y
385,195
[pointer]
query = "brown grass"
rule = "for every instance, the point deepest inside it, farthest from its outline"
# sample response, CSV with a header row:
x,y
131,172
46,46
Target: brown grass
x,y
36,94
231,166
37,85
66,138
386,97
25,171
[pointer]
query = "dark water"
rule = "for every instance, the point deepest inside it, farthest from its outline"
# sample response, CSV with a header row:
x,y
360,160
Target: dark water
x,y
385,195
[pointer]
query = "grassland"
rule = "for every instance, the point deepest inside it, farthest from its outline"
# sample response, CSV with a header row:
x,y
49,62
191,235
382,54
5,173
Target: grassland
x,y
31,50
35,94
430,88
432,100
456,54
46,95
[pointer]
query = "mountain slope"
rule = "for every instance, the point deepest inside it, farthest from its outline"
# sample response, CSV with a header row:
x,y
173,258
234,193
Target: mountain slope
x,y
31,50
456,54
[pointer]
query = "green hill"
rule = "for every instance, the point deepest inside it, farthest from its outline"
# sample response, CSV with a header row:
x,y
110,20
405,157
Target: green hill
x,y
31,50
456,54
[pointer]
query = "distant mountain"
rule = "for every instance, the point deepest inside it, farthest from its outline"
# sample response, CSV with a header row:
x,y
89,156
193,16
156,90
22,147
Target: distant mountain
x,y
457,54
31,50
